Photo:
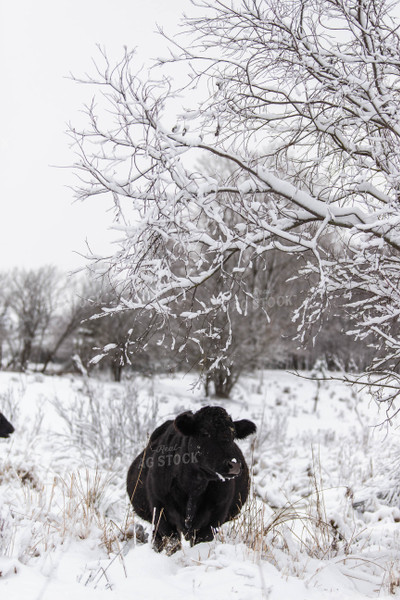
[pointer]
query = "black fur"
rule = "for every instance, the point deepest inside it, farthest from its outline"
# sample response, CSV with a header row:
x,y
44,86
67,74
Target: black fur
x,y
6,429
191,477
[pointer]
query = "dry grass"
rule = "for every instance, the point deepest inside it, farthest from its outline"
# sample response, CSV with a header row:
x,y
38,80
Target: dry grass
x,y
44,516
298,529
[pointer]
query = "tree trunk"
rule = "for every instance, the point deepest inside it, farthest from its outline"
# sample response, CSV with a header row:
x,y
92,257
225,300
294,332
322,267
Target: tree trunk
x,y
223,383
116,368
25,353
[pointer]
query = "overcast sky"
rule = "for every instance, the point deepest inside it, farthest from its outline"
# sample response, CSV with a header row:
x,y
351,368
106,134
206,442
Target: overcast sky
x,y
41,42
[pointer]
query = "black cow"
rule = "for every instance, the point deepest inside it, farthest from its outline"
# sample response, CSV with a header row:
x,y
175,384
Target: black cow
x,y
191,477
6,429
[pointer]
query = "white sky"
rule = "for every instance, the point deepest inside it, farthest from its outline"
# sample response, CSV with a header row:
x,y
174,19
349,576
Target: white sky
x,y
41,42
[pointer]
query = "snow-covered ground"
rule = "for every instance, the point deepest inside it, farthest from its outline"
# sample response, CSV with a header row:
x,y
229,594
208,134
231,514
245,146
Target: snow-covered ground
x,y
322,522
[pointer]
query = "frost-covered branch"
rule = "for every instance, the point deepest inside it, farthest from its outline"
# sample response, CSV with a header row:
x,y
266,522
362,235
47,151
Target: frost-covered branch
x,y
303,107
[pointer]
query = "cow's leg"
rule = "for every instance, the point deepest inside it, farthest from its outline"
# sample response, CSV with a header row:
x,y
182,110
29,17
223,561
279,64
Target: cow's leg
x,y
195,517
165,536
170,543
191,510
205,534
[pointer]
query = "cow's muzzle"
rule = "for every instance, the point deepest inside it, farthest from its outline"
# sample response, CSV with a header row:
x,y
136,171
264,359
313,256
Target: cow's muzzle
x,y
233,468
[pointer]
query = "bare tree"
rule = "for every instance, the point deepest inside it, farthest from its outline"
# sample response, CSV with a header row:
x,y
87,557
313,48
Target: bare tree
x,y
4,313
78,302
303,103
33,298
110,339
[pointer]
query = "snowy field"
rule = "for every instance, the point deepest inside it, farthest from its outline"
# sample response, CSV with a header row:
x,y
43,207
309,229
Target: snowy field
x,y
322,522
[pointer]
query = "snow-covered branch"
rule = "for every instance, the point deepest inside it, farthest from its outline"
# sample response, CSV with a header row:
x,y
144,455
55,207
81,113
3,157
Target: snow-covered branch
x,y
302,107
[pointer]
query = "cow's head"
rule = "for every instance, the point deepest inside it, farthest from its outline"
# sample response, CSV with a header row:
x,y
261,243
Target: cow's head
x,y
211,434
6,429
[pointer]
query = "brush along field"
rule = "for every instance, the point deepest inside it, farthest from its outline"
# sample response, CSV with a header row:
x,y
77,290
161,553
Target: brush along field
x,y
322,521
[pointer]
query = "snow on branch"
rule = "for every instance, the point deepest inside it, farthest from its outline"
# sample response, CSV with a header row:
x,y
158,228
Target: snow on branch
x,y
302,109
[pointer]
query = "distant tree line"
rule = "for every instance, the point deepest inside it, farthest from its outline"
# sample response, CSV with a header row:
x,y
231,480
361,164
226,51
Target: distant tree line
x,y
51,322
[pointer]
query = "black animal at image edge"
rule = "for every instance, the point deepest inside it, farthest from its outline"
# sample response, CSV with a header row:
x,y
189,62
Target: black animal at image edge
x,y
191,477
6,429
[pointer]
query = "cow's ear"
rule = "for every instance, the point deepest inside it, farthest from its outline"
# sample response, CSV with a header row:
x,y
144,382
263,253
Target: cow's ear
x,y
244,428
185,423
